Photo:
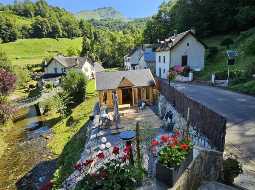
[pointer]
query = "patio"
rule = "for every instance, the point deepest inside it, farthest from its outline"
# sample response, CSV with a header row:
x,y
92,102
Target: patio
x,y
105,138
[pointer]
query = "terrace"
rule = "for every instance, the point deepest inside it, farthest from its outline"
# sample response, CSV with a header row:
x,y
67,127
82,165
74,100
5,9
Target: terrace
x,y
104,137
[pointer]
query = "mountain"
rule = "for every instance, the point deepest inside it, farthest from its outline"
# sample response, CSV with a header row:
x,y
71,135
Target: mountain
x,y
101,14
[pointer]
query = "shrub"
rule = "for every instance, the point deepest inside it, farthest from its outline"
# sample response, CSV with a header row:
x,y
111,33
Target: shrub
x,y
250,47
74,84
212,51
227,42
231,169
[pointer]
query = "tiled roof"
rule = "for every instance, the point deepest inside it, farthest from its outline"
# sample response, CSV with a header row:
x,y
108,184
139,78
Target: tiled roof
x,y
111,80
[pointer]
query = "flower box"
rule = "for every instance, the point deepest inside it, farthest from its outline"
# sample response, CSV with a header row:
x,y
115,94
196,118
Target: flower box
x,y
169,176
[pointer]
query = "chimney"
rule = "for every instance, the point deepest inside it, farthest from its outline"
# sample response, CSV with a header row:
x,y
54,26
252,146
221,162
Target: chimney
x,y
193,30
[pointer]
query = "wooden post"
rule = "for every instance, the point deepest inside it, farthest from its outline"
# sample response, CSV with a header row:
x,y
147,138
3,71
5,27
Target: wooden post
x,y
138,150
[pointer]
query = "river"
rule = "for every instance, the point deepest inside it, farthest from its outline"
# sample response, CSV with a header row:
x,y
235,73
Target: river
x,y
26,149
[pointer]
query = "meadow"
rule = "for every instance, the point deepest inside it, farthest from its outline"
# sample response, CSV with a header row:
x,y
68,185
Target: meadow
x,y
33,51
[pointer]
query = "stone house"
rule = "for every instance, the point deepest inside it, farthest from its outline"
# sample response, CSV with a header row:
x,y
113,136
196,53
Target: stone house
x,y
183,49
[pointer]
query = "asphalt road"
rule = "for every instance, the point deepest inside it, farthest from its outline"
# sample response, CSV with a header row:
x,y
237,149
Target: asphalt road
x,y
239,110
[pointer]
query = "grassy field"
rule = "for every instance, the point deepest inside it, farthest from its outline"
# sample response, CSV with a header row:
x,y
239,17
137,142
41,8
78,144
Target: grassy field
x,y
68,141
32,51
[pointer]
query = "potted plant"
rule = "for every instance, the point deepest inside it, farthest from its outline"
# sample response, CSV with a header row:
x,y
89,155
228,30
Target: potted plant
x,y
174,156
172,75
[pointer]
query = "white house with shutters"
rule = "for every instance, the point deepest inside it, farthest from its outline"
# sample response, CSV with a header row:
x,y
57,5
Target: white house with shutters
x,y
183,49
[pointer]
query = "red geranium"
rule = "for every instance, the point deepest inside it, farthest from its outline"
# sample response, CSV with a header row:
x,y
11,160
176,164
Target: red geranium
x,y
164,138
184,146
127,149
124,158
101,155
47,186
116,150
88,162
154,142
78,166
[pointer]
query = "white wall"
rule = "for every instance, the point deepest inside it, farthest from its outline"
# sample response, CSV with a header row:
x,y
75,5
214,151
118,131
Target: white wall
x,y
88,70
164,66
50,69
195,52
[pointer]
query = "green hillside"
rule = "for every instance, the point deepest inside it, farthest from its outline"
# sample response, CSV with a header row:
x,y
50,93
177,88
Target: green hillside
x,y
100,14
241,73
32,51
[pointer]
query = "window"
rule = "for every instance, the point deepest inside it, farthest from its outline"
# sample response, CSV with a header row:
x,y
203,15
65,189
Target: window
x,y
164,59
164,71
55,70
159,72
63,70
159,59
188,44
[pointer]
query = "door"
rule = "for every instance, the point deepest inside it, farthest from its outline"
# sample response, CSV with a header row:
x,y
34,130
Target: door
x,y
184,60
127,97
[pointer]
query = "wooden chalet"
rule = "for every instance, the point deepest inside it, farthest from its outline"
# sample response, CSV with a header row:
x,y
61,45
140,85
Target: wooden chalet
x,y
130,86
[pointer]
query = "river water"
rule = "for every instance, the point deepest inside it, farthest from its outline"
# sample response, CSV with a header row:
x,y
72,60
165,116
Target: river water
x,y
26,148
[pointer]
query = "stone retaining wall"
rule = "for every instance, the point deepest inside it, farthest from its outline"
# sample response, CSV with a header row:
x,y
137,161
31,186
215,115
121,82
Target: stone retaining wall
x,y
207,166
206,121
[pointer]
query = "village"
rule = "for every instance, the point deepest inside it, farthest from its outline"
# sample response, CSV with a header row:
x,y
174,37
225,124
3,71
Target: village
x,y
143,103
128,109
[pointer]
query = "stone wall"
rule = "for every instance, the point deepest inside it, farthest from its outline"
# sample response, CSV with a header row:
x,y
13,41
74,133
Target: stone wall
x,y
206,121
207,166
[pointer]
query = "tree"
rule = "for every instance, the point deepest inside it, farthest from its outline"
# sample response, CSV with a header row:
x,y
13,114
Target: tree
x,y
55,28
40,28
8,29
5,63
60,104
74,84
23,76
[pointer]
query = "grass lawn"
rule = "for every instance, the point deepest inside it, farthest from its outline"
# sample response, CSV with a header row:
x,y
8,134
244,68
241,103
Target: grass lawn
x,y
32,51
68,141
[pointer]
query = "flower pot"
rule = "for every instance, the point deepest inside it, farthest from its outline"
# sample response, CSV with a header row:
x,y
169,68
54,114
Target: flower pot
x,y
169,176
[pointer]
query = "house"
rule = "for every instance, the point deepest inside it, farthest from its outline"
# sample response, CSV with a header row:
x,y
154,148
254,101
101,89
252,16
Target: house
x,y
183,49
59,65
130,86
140,58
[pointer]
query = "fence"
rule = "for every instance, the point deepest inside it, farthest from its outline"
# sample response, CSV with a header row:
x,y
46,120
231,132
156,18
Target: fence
x,y
206,121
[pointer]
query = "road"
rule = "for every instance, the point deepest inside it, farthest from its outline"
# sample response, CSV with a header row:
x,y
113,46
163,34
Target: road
x,y
239,110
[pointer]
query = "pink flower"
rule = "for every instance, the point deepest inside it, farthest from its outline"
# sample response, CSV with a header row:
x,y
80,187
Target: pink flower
x,y
101,155
178,68
88,162
116,150
127,149
78,166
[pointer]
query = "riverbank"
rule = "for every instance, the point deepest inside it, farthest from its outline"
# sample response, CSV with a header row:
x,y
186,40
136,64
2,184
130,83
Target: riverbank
x,y
68,141
23,149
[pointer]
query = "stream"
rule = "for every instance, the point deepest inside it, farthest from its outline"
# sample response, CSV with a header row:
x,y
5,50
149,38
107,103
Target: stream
x,y
26,162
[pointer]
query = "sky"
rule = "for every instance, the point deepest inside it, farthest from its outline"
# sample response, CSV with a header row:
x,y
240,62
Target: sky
x,y
130,8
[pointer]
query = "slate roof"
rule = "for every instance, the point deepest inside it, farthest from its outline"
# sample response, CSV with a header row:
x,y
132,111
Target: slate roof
x,y
150,57
98,67
111,80
171,42
70,62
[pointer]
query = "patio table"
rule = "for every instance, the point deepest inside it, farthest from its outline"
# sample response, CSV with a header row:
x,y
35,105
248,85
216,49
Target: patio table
x,y
128,136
